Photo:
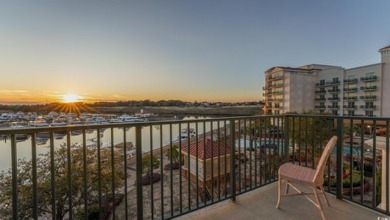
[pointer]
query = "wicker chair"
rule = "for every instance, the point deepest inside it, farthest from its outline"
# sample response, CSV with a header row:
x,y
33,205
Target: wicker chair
x,y
293,173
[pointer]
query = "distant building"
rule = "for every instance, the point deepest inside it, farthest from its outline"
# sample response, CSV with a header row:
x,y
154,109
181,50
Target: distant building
x,y
330,89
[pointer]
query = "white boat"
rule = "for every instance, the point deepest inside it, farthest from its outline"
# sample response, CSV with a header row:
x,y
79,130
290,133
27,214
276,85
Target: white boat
x,y
185,133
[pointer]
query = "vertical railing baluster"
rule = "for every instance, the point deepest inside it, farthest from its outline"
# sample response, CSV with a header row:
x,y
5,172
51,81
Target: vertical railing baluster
x,y
70,185
113,168
239,155
286,139
212,159
34,175
125,171
138,143
52,177
339,166
256,133
232,161
351,158
204,163
374,203
306,139
189,166
99,172
250,153
387,169
151,165
171,170
219,161
197,164
245,162
299,141
361,162
261,150
14,177
225,156
293,139
161,171
85,187
180,171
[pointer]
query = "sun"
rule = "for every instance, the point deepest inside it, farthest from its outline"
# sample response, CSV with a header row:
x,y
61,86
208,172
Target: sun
x,y
69,98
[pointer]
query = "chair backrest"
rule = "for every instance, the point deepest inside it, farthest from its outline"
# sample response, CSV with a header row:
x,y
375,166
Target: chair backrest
x,y
319,175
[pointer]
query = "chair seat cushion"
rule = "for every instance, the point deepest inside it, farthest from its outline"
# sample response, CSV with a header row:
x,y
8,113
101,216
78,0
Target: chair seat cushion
x,y
296,173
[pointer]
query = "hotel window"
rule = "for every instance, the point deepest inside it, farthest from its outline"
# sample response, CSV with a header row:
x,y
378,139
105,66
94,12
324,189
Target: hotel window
x,y
369,113
322,82
335,80
351,113
334,112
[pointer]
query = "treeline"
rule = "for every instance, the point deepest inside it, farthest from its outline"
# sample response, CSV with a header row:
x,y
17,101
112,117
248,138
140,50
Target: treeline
x,y
132,103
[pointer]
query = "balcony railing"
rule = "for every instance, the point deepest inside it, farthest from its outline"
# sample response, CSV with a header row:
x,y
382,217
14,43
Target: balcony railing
x,y
350,81
320,84
333,83
320,107
333,107
334,90
350,107
370,97
333,99
193,164
320,99
368,88
369,78
348,90
350,98
320,92
368,107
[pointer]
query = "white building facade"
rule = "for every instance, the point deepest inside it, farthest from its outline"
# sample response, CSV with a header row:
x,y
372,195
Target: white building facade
x,y
359,91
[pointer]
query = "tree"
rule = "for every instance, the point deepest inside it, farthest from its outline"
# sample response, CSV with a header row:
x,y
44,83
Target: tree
x,y
173,154
62,190
309,131
149,163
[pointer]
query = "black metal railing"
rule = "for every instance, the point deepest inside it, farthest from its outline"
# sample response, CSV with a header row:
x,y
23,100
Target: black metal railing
x,y
161,170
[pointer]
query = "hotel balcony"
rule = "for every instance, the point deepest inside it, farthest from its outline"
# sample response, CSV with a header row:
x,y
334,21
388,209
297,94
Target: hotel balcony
x,y
369,78
279,77
350,81
368,107
368,88
332,99
320,99
370,97
277,92
332,83
350,107
334,90
320,92
333,107
350,90
350,98
217,161
277,85
320,107
320,84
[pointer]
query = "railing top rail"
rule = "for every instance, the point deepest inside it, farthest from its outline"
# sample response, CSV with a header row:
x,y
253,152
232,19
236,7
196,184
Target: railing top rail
x,y
125,125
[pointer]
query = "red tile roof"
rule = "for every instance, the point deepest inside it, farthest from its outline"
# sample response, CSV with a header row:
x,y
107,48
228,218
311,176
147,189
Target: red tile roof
x,y
206,149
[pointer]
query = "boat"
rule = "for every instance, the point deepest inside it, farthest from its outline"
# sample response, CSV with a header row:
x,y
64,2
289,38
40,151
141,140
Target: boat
x,y
40,124
185,133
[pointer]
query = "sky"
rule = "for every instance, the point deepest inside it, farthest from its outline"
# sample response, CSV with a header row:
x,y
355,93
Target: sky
x,y
188,50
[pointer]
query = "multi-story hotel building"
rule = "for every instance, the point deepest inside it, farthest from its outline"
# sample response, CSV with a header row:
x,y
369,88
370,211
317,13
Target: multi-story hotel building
x,y
330,89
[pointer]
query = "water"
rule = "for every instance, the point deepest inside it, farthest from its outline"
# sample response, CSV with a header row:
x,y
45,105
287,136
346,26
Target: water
x,y
149,142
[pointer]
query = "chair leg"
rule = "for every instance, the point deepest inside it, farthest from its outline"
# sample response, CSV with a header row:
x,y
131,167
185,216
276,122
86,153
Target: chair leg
x,y
287,187
279,192
325,196
319,203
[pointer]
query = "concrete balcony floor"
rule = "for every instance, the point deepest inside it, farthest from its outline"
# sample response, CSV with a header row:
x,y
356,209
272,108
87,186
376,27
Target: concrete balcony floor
x,y
261,204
